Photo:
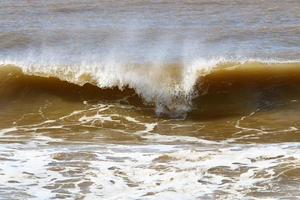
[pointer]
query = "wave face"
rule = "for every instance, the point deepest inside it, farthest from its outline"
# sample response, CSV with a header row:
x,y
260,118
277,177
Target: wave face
x,y
174,89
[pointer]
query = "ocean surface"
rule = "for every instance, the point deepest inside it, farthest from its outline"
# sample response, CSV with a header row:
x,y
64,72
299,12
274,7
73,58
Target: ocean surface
x,y
191,99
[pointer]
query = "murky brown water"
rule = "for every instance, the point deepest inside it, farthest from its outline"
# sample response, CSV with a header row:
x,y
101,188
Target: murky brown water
x,y
149,100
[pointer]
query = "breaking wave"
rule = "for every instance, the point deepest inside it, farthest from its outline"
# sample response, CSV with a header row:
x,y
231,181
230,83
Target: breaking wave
x,y
174,89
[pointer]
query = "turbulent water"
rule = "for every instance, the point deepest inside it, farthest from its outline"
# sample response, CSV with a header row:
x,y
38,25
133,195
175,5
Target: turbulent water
x,y
149,100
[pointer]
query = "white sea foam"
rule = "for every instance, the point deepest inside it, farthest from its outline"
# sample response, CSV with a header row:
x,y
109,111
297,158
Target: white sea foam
x,y
149,171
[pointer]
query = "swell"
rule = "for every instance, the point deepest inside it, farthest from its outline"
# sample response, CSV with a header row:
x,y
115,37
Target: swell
x,y
203,92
